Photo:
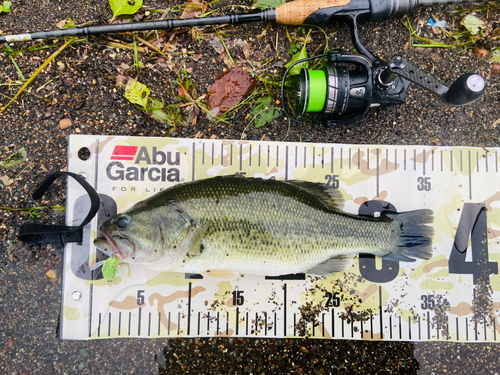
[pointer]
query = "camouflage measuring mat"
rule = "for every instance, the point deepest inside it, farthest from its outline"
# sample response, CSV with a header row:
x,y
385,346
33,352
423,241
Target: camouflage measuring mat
x,y
453,296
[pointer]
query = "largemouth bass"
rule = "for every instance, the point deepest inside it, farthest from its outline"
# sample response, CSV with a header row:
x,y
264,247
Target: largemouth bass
x,y
232,225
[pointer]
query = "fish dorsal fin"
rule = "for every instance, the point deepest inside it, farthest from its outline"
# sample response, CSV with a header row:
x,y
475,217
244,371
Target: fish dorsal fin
x,y
332,265
332,198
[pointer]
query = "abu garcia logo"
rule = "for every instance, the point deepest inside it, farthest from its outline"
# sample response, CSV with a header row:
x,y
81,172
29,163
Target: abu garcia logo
x,y
116,171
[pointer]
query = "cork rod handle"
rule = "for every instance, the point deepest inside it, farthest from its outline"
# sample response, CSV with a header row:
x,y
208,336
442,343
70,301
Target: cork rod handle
x,y
295,12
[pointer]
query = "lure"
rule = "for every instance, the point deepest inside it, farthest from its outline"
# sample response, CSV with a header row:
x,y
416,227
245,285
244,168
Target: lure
x,y
109,268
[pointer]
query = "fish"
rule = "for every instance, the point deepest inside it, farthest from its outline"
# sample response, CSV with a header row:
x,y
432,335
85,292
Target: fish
x,y
228,226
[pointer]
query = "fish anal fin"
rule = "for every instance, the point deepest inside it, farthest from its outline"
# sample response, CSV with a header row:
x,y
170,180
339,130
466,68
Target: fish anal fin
x,y
222,274
332,265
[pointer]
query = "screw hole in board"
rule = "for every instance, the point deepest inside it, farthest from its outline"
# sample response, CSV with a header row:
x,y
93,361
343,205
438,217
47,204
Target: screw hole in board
x,y
84,154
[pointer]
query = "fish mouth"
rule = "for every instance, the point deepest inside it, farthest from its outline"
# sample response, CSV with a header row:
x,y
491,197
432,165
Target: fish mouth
x,y
114,247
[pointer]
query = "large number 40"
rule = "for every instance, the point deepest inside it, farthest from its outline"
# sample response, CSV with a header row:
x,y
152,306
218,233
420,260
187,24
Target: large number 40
x,y
472,225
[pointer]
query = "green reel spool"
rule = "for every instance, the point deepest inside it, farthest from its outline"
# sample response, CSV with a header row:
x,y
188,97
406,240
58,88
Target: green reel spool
x,y
314,90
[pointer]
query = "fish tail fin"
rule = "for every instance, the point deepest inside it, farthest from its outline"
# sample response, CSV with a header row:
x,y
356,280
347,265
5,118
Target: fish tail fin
x,y
414,235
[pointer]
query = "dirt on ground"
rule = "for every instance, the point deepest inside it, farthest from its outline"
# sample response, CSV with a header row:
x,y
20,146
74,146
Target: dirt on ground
x,y
82,92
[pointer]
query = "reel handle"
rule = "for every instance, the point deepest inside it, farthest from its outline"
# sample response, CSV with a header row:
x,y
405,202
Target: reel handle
x,y
466,89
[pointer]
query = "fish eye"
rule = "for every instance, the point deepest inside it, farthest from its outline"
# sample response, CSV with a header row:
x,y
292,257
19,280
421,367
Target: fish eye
x,y
123,222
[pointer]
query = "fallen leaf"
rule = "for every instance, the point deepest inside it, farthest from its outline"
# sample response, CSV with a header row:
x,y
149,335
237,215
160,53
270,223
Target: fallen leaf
x,y
193,9
14,159
472,24
495,69
137,93
5,6
66,24
266,4
480,52
229,88
121,80
264,111
120,7
6,180
51,274
495,55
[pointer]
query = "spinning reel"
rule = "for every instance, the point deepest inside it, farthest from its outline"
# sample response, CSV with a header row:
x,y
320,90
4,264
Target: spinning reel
x,y
347,86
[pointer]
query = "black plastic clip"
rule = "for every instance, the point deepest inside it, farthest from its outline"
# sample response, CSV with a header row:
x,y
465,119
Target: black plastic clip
x,y
59,235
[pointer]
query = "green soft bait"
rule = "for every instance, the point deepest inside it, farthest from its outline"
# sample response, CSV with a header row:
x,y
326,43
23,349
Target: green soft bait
x,y
109,268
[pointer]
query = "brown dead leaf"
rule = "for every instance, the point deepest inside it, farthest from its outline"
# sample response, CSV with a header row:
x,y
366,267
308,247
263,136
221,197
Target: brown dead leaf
x,y
121,81
193,9
251,53
437,57
229,88
495,69
480,52
7,181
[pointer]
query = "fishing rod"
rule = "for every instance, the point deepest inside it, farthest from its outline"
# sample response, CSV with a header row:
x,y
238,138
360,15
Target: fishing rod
x,y
324,95
299,12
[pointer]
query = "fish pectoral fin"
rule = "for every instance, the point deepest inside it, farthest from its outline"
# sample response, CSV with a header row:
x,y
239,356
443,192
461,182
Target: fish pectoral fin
x,y
222,274
196,243
332,265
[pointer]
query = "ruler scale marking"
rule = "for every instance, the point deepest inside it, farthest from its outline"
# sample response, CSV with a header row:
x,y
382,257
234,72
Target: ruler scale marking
x,y
149,325
423,162
286,163
378,174
90,308
159,324
470,179
332,164
99,326
129,323
241,157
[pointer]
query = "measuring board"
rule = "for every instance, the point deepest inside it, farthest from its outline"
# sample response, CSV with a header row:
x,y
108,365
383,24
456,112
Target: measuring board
x,y
453,296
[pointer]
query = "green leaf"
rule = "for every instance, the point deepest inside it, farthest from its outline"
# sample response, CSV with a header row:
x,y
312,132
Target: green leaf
x,y
70,24
5,7
14,159
294,48
120,7
495,55
302,54
263,112
472,24
266,4
137,93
